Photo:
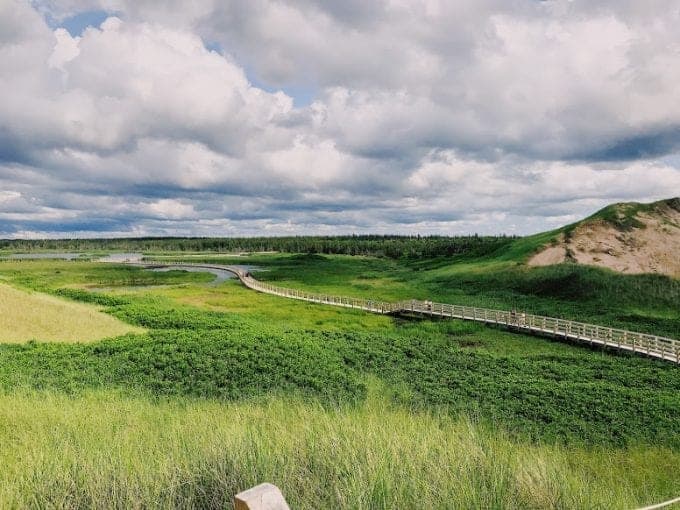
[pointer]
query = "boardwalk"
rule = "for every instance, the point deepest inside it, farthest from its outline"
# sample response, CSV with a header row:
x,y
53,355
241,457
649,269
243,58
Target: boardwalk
x,y
649,345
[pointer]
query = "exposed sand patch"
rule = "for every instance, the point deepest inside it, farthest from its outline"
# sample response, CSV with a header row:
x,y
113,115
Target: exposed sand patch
x,y
652,249
550,255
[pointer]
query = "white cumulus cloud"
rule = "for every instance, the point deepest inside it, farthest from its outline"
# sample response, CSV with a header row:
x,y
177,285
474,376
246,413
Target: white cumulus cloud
x,y
280,116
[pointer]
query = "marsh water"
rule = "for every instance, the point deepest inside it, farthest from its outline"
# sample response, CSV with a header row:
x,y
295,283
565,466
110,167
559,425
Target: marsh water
x,y
123,257
58,255
220,274
47,256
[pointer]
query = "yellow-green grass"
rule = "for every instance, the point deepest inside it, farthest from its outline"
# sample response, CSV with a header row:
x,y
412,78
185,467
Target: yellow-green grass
x,y
26,315
103,450
233,297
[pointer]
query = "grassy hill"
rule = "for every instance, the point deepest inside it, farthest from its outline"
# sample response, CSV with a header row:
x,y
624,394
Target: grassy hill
x,y
626,216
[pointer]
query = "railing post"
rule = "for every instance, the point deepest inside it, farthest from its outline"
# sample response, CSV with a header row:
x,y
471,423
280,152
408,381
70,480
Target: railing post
x,y
261,497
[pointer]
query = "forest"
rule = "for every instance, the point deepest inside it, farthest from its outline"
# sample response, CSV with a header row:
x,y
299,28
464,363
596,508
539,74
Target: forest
x,y
390,246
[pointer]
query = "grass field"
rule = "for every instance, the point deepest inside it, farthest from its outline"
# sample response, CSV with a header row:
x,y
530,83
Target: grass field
x,y
33,316
646,303
101,450
228,388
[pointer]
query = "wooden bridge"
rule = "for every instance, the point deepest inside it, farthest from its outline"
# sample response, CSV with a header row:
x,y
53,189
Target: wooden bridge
x,y
648,345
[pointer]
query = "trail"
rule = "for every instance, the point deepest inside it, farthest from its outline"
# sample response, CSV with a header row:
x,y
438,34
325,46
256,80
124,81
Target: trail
x,y
645,344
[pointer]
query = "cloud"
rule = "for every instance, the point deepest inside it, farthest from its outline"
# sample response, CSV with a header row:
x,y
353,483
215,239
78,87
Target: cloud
x,y
418,116
545,80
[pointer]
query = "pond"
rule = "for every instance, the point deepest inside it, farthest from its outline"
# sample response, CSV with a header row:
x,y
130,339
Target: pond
x,y
49,255
122,257
220,274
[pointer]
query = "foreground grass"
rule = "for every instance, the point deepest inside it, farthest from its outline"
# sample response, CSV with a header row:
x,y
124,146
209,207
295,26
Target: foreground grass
x,y
33,316
102,450
228,388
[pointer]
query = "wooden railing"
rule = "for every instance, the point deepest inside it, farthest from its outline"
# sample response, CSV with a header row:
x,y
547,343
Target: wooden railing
x,y
650,345
269,497
642,343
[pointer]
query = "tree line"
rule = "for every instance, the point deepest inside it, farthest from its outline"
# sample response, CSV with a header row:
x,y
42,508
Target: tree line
x,y
391,246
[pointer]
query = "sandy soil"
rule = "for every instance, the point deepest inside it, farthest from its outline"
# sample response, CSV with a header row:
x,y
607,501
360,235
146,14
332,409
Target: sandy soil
x,y
550,255
653,249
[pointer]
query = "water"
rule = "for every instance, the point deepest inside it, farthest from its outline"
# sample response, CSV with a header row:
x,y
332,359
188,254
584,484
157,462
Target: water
x,y
35,256
113,257
122,257
246,267
220,274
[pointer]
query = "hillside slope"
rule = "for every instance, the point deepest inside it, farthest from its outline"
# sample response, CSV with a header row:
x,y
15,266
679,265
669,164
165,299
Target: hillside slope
x,y
628,237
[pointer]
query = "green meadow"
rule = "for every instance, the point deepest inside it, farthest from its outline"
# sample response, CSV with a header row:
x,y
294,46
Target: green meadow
x,y
218,388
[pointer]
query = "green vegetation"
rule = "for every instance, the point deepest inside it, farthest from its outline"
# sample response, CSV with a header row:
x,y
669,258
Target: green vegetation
x,y
103,450
227,388
47,275
647,303
192,352
374,245
624,216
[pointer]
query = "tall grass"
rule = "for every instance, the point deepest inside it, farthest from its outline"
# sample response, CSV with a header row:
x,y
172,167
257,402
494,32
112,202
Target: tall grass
x,y
102,450
32,316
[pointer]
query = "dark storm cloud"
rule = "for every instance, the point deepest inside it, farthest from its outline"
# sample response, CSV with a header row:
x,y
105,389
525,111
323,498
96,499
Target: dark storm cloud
x,y
87,225
653,144
10,148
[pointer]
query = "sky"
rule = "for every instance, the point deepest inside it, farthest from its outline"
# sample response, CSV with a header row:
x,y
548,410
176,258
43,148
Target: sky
x,y
281,117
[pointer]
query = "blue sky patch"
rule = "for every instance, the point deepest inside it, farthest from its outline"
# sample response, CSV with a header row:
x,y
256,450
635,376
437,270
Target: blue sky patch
x,y
77,24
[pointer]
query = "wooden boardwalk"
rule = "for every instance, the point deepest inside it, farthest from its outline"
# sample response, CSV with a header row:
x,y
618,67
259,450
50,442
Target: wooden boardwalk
x,y
648,345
